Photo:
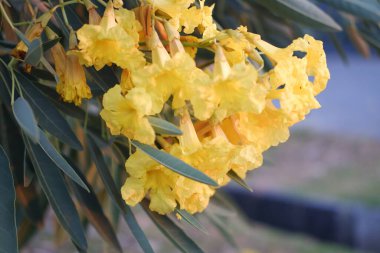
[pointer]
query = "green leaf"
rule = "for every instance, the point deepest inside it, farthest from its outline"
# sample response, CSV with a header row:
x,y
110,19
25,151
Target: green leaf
x,y
174,164
25,118
369,10
52,183
50,43
94,211
235,177
115,195
194,222
5,82
175,234
164,127
47,115
8,232
60,161
302,11
34,54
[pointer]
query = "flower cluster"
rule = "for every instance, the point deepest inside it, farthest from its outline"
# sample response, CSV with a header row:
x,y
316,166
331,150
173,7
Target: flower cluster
x,y
229,113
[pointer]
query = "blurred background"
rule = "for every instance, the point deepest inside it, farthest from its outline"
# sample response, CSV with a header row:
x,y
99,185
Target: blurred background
x,y
320,191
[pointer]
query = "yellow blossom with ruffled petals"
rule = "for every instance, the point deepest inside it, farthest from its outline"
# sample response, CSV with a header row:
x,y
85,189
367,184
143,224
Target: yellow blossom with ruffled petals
x,y
175,76
236,88
72,84
126,114
264,130
167,188
109,42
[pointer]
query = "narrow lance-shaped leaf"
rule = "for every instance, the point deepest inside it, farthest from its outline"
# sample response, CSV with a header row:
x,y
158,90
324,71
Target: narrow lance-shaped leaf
x,y
175,164
175,234
34,54
235,177
94,212
50,43
194,222
302,11
52,183
49,118
8,232
60,161
115,195
164,127
25,118
369,10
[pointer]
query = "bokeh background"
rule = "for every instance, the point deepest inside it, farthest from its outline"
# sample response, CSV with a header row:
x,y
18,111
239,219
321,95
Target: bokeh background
x,y
332,158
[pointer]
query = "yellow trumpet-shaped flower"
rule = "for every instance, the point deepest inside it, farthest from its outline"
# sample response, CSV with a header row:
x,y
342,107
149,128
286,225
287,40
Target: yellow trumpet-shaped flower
x,y
126,114
269,128
72,84
289,78
236,88
175,76
166,188
111,42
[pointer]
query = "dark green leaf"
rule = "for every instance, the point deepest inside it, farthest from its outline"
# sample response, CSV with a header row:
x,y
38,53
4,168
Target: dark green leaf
x,y
235,177
94,212
47,115
50,43
115,194
7,44
25,118
194,222
8,233
52,183
5,82
34,54
302,11
175,234
164,127
369,10
60,161
175,164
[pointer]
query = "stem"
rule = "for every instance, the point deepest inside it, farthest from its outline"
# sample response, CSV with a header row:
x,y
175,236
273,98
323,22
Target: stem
x,y
5,15
13,90
61,3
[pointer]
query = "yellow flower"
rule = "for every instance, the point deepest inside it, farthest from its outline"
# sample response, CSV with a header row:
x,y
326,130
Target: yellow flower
x,y
59,56
316,61
289,78
127,114
196,17
166,188
236,88
110,42
72,84
269,128
178,77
